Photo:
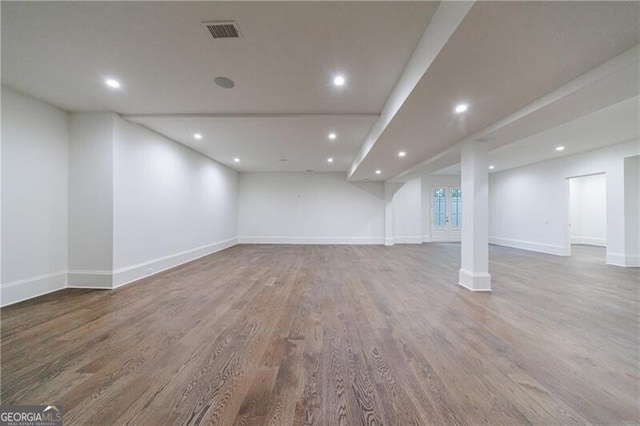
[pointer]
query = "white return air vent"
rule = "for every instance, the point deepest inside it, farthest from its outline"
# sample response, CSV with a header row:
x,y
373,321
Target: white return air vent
x,y
223,29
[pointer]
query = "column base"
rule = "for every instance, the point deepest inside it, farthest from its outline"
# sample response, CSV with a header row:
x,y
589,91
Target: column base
x,y
475,281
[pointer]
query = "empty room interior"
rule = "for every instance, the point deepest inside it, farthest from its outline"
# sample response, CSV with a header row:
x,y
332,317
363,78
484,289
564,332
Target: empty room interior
x,y
322,213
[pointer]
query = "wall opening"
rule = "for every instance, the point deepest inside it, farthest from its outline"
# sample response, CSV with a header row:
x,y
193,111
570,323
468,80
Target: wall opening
x,y
587,215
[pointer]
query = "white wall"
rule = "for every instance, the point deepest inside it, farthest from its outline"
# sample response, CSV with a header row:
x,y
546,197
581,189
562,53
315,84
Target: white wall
x,y
313,208
529,205
171,204
406,214
34,197
91,199
588,210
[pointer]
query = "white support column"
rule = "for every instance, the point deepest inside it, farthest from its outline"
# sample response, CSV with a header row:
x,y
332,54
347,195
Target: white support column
x,y
389,235
631,208
474,269
616,194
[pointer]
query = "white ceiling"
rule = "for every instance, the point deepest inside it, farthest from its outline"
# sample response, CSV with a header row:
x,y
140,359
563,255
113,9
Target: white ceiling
x,y
501,58
261,142
608,126
283,104
167,60
608,84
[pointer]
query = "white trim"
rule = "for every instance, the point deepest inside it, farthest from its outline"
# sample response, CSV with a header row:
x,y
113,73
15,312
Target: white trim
x,y
474,281
601,242
389,241
31,279
426,238
446,240
95,279
408,240
625,260
310,240
28,288
21,290
129,274
528,245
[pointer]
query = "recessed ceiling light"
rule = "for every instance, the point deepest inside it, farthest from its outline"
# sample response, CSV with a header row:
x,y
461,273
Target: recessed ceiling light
x,y
332,136
560,148
237,160
224,82
492,167
339,80
378,172
197,136
113,83
460,108
330,160
402,154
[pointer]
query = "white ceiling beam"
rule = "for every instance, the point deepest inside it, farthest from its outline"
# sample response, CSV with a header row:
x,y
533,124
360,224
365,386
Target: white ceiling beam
x,y
135,117
628,58
443,24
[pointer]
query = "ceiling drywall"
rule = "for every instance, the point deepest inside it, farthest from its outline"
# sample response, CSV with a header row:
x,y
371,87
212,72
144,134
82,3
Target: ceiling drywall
x,y
284,102
611,125
500,57
167,60
261,143
608,84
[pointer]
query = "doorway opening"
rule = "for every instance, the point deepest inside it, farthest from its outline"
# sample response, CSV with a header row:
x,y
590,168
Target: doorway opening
x,y
586,233
446,213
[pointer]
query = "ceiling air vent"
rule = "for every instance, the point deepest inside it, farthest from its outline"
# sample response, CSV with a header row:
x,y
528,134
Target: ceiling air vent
x,y
223,29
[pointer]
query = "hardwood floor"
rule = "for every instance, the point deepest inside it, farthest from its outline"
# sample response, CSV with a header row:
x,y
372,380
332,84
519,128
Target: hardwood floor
x,y
333,335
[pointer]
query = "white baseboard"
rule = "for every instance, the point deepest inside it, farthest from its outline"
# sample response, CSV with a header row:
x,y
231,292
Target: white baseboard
x,y
129,274
408,240
18,291
90,279
474,281
621,259
310,240
389,241
426,238
528,245
589,241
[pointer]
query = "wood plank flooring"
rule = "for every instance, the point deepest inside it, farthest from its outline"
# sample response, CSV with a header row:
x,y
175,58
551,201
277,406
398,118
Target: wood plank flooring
x,y
337,335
